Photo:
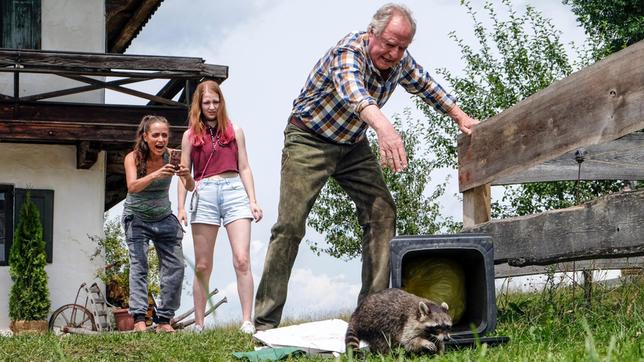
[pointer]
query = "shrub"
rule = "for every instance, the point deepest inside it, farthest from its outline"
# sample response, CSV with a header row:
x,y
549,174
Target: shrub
x,y
29,296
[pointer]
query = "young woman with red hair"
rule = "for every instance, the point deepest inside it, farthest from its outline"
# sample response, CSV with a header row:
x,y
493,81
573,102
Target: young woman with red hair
x,y
215,148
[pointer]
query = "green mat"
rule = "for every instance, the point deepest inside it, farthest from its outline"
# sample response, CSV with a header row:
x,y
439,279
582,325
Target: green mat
x,y
269,354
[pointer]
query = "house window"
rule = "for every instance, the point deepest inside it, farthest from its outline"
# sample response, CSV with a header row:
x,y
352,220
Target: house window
x,y
20,24
6,222
11,201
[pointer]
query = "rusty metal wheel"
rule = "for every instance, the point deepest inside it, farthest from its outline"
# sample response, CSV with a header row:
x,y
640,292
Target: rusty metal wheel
x,y
71,316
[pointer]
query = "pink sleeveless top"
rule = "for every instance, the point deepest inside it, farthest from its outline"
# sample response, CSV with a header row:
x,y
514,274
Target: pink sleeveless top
x,y
214,157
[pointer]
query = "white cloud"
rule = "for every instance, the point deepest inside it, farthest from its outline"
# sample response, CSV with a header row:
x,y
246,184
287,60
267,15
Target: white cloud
x,y
257,249
320,293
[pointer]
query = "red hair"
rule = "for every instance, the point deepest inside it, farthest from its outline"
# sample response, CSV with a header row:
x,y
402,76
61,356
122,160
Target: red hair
x,y
196,121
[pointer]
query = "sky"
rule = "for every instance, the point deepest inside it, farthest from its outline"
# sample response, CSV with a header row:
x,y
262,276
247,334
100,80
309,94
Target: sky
x,y
270,46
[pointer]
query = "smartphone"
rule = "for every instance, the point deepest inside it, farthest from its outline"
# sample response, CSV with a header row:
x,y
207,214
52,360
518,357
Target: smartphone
x,y
175,158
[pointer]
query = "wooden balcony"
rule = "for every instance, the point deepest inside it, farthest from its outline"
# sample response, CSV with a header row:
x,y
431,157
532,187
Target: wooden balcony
x,y
157,85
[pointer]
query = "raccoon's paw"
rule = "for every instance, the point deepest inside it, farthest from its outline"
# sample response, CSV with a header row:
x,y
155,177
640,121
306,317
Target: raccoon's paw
x,y
431,347
441,347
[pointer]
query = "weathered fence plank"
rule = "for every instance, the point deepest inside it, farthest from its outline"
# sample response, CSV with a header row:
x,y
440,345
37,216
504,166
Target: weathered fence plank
x,y
505,270
611,226
621,159
595,105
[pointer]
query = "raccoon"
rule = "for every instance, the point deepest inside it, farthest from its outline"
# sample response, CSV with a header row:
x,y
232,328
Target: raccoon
x,y
395,318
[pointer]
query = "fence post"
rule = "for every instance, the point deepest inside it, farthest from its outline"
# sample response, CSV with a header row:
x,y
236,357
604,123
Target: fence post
x,y
476,206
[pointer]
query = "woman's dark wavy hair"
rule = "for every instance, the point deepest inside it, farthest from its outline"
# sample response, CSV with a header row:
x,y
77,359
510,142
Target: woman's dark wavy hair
x,y
141,149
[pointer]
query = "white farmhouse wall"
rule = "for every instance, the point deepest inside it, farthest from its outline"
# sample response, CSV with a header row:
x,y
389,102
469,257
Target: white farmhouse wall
x,y
73,25
69,25
78,212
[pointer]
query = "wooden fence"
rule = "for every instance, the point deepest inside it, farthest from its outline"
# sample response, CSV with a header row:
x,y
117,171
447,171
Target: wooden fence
x,y
594,111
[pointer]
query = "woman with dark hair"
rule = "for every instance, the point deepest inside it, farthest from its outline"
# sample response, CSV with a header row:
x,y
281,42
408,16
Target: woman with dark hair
x,y
225,195
147,215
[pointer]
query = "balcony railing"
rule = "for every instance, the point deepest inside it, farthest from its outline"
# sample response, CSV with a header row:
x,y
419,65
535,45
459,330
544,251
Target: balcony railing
x,y
161,85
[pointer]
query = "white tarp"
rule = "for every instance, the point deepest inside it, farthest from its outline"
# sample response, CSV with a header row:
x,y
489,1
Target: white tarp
x,y
314,337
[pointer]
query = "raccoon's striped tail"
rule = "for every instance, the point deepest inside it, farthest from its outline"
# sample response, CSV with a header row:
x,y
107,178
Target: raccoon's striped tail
x,y
351,340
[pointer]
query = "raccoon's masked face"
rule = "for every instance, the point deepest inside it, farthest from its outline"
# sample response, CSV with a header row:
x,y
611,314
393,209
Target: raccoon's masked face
x,y
436,321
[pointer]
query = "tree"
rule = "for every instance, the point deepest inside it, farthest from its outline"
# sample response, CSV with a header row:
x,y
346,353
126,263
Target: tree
x,y
514,59
29,296
334,214
613,25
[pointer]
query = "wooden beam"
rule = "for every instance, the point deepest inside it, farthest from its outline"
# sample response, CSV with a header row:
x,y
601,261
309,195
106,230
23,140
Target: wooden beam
x,y
86,154
120,14
60,132
71,133
504,270
86,113
622,159
609,227
88,62
81,89
477,206
112,73
132,92
595,105
189,90
134,24
170,89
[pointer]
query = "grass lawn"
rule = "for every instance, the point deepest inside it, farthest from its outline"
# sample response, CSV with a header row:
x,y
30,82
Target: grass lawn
x,y
555,324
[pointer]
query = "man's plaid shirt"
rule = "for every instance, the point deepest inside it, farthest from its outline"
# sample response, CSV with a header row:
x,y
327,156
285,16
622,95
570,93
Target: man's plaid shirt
x,y
345,81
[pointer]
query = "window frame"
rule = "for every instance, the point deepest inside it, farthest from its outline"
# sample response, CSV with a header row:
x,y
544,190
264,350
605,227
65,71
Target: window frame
x,y
44,200
13,23
8,222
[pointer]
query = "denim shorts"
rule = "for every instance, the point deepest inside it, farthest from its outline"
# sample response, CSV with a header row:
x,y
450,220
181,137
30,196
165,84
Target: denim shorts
x,y
220,202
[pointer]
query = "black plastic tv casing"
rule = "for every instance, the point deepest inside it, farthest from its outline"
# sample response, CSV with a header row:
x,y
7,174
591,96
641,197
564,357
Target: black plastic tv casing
x,y
475,252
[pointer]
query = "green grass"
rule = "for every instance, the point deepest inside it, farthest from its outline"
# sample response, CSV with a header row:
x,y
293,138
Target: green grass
x,y
552,325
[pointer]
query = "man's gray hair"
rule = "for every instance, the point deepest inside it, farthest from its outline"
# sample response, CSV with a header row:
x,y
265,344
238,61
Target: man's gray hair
x,y
382,17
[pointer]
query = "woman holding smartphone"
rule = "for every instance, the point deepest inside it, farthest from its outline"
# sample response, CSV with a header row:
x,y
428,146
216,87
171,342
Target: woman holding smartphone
x,y
215,149
147,215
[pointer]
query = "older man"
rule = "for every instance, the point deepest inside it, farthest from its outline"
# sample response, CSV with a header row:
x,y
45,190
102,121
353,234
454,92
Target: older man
x,y
325,137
